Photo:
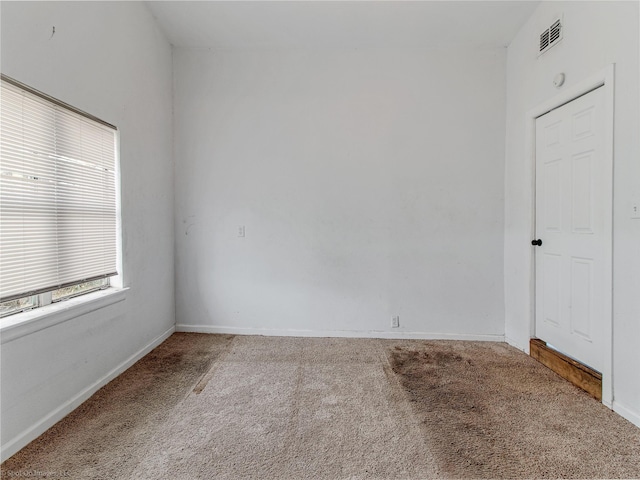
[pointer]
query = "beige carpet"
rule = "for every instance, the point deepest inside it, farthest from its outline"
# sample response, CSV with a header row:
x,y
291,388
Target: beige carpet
x,y
211,406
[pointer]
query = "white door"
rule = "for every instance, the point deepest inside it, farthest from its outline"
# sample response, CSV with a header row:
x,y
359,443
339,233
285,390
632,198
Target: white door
x,y
572,219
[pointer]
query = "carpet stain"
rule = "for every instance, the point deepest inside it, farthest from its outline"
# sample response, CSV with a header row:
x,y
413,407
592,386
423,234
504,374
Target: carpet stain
x,y
488,411
127,409
219,406
213,364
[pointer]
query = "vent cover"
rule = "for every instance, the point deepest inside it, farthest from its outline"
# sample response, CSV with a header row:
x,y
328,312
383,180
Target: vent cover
x,y
550,36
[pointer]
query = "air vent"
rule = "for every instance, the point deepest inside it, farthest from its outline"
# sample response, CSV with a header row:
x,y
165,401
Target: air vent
x,y
550,36
544,40
555,32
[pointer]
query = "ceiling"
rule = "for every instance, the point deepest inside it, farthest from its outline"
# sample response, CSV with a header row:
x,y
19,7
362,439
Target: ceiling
x,y
341,24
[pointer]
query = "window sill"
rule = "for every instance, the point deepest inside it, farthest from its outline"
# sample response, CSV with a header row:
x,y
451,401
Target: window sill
x,y
26,323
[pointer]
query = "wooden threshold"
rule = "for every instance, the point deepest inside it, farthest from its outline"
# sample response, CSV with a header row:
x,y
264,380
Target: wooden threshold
x,y
580,375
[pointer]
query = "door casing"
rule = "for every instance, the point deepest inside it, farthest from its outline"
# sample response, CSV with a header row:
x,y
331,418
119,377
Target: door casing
x,y
604,78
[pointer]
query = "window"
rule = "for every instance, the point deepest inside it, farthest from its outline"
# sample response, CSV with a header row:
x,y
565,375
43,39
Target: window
x,y
57,200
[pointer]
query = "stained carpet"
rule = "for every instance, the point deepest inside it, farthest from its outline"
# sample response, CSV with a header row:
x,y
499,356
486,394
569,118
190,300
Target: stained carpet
x,y
213,406
490,411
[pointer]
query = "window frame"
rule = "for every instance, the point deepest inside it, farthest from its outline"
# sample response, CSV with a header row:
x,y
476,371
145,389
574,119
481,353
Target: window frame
x,y
43,310
31,321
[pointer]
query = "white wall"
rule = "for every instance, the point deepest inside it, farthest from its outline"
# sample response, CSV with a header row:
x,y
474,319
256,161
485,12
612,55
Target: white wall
x,y
111,60
370,184
595,35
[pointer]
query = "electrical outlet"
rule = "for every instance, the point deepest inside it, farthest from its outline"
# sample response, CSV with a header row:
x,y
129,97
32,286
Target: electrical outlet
x,y
241,231
395,321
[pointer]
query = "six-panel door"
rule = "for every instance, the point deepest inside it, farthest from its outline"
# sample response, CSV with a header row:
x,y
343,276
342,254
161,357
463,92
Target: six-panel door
x,y
570,221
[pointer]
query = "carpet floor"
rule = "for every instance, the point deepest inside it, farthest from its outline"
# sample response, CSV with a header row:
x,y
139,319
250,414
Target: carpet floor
x,y
225,407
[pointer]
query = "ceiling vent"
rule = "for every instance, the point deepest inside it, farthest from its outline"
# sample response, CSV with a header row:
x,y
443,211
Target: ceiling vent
x,y
550,36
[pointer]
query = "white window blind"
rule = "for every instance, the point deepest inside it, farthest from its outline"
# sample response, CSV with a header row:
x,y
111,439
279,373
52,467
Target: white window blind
x,y
57,195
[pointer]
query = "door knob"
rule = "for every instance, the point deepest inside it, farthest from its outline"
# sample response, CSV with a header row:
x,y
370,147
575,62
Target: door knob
x,y
537,242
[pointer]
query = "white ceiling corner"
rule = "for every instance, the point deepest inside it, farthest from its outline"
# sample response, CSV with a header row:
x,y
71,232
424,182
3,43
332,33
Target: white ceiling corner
x,y
341,24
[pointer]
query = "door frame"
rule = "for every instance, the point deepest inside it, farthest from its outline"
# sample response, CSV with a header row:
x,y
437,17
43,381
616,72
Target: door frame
x,y
605,79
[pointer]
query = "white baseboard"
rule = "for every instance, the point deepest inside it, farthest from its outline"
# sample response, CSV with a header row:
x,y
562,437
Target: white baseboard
x,y
517,345
626,412
23,439
276,332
